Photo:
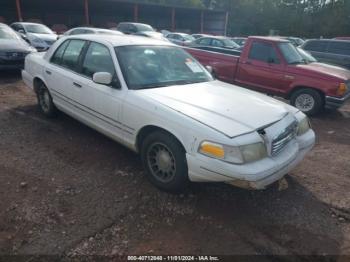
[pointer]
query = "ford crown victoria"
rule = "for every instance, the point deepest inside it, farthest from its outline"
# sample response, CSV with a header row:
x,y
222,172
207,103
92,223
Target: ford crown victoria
x,y
157,100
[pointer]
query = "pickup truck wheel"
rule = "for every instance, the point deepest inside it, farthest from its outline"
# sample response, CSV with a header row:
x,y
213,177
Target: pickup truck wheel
x,y
45,102
165,162
308,101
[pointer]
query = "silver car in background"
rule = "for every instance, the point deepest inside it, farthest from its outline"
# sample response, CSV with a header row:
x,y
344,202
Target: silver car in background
x,y
13,49
91,30
181,39
37,35
330,51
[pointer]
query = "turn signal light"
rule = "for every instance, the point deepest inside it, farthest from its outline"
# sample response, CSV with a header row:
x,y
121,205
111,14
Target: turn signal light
x,y
212,149
342,89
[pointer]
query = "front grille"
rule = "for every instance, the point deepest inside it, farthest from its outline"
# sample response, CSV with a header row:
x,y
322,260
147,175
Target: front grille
x,y
12,62
15,55
279,143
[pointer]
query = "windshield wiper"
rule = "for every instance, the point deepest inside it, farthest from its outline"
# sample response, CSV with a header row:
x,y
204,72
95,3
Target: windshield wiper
x,y
172,83
152,86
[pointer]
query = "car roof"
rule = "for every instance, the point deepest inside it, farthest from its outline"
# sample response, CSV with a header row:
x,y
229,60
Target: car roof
x,y
121,40
328,40
217,37
269,38
178,34
27,23
133,23
82,28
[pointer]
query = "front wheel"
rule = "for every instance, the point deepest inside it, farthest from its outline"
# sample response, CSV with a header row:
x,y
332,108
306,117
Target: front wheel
x,y
308,101
164,159
45,102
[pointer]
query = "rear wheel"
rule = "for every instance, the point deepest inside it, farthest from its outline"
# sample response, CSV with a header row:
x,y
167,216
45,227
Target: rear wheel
x,y
45,102
164,159
308,101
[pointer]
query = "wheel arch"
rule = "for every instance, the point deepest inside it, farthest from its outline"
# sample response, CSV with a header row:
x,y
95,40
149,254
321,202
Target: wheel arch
x,y
299,87
149,129
36,83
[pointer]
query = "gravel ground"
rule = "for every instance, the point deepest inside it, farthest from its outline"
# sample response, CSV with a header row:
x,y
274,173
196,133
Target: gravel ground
x,y
67,190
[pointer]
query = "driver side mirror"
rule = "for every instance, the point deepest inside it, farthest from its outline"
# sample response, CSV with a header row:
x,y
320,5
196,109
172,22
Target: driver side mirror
x,y
21,31
102,78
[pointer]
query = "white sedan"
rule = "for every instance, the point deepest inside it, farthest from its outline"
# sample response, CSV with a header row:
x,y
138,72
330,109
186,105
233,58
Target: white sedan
x,y
157,100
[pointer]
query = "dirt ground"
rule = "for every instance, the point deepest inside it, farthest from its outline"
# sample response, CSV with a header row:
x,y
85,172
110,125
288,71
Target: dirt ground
x,y
68,190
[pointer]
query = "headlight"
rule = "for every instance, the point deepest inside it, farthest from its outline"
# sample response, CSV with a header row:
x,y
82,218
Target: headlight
x,y
37,40
232,154
303,126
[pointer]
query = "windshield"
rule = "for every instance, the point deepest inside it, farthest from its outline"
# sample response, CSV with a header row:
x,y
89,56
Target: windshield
x,y
6,33
37,29
144,28
299,41
159,66
188,38
306,55
291,54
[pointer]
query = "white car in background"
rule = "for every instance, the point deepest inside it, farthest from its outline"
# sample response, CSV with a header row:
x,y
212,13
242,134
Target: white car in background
x,y
181,39
157,100
37,35
91,30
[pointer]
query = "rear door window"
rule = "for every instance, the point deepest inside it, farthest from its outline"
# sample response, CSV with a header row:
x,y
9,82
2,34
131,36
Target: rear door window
x,y
72,53
316,46
217,43
340,48
204,41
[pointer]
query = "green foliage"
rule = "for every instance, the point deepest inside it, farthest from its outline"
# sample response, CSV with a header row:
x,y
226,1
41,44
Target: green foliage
x,y
305,18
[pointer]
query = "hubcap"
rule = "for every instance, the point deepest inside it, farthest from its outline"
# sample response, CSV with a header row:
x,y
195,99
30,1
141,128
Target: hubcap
x,y
161,162
305,102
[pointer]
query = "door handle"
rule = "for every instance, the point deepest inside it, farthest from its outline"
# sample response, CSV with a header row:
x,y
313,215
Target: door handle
x,y
48,72
77,85
247,62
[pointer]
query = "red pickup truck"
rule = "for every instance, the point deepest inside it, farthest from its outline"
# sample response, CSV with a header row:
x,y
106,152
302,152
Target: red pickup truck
x,y
275,66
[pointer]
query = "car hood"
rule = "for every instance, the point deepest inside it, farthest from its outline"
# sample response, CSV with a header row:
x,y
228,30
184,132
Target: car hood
x,y
16,45
229,109
327,70
45,37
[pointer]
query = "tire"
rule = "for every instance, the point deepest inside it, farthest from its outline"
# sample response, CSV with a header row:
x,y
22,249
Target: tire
x,y
164,160
308,101
45,102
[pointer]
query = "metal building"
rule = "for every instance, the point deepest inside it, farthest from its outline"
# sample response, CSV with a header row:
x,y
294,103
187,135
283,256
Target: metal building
x,y
108,13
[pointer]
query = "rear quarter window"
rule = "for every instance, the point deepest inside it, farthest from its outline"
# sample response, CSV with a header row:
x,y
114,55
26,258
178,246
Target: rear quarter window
x,y
70,58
